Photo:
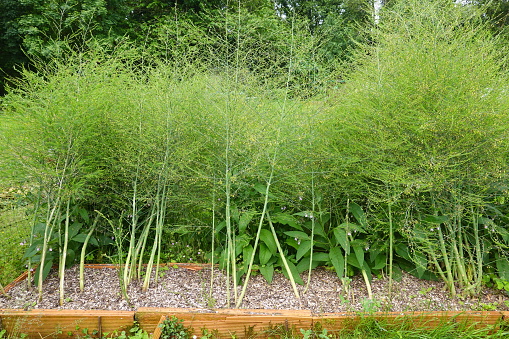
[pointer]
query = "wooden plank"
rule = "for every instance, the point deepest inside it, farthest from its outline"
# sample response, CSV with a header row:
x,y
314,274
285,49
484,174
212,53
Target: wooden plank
x,y
63,323
224,322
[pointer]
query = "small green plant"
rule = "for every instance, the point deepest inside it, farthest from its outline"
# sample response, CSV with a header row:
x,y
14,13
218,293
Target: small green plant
x,y
491,280
173,328
425,291
370,305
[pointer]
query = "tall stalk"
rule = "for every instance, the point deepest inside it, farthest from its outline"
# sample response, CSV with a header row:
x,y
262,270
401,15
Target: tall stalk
x,y
391,251
257,239
313,217
51,219
32,234
283,258
63,255
84,251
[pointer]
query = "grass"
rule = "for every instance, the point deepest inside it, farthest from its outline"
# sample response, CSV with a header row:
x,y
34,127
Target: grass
x,y
14,230
369,327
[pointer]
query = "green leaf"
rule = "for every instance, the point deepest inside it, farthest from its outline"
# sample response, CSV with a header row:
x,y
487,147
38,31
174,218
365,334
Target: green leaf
x,y
260,188
337,260
304,248
341,238
358,248
84,215
244,220
320,257
380,261
93,241
502,267
420,264
33,250
267,237
247,252
303,265
267,271
80,238
297,234
264,255
241,241
285,219
358,213
402,251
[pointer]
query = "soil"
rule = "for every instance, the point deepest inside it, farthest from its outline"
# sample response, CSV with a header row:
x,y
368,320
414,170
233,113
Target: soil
x,y
185,288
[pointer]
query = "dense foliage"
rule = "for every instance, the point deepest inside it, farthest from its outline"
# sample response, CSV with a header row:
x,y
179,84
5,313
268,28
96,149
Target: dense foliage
x,y
203,144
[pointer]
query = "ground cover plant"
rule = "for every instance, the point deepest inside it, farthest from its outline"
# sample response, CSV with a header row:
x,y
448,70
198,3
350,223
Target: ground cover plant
x,y
138,159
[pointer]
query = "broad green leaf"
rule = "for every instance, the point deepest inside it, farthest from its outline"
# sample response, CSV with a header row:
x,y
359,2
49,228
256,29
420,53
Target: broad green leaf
x,y
337,260
93,241
297,234
220,226
380,261
244,220
304,248
285,219
320,257
247,252
74,229
267,271
84,215
341,238
80,238
260,188
358,248
264,255
267,237
32,250
241,241
319,229
402,251
303,265
358,213
420,264
503,267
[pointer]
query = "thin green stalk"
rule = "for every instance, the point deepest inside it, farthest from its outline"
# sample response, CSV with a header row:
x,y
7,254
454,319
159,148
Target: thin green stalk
x,y
212,244
448,269
257,239
63,255
283,258
128,268
160,230
312,231
142,242
84,251
32,230
150,264
48,231
391,251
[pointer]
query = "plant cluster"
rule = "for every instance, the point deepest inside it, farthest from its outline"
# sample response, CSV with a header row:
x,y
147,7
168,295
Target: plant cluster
x,y
141,159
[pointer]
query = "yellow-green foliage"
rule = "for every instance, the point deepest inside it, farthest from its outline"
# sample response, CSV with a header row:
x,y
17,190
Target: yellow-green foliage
x,y
14,233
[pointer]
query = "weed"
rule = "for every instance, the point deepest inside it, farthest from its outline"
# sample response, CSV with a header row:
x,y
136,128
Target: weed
x,y
173,328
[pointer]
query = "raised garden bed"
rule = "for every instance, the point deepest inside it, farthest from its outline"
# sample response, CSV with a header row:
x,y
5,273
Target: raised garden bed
x,y
62,323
